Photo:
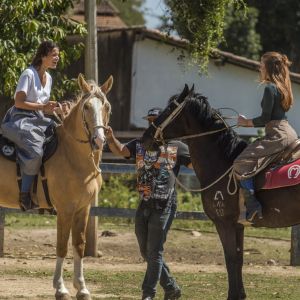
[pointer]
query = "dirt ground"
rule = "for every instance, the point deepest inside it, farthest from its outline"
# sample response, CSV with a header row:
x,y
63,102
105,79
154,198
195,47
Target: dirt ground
x,y
186,251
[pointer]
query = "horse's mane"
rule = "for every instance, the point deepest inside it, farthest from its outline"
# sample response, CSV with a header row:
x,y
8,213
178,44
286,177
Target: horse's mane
x,y
228,140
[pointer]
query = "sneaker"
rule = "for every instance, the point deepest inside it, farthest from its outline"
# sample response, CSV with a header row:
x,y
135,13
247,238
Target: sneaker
x,y
172,294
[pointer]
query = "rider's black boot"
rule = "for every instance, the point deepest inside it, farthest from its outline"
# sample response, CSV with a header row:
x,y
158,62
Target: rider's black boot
x,y
26,201
253,206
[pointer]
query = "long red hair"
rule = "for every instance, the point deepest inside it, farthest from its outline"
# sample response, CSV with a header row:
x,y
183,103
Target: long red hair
x,y
277,71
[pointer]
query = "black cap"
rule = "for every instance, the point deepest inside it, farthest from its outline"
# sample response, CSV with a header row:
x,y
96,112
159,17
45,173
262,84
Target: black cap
x,y
153,112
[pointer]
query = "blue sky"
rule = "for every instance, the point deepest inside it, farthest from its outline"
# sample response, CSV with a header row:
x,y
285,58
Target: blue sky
x,y
153,9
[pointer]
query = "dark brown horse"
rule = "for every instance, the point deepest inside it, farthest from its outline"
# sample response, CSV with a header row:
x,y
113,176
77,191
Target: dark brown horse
x,y
213,152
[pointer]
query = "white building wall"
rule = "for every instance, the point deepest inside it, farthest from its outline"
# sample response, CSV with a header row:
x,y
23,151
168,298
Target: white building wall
x,y
158,74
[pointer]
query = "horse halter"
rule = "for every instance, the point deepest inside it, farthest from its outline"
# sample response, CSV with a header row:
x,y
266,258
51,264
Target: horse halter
x,y
85,123
86,128
158,135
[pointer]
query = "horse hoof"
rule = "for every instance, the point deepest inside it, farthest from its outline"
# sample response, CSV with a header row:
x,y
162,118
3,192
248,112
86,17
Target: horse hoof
x,y
62,297
83,296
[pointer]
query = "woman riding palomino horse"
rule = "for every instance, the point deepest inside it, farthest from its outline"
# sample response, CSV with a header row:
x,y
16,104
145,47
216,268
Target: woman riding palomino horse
x,y
25,123
214,146
276,101
74,179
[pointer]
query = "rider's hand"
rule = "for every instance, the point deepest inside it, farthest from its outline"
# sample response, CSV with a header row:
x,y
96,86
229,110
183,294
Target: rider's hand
x,y
49,107
66,107
242,121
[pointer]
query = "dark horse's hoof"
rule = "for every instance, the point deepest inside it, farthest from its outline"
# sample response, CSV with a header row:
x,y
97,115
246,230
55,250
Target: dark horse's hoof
x,y
26,202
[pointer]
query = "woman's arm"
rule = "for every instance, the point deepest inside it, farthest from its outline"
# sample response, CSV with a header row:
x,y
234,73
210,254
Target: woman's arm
x,y
20,102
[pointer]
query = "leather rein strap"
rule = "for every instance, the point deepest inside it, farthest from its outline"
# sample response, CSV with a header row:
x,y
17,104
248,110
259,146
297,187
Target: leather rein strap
x,y
158,136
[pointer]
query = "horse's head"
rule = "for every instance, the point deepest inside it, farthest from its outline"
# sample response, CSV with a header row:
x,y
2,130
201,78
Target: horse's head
x,y
95,109
160,130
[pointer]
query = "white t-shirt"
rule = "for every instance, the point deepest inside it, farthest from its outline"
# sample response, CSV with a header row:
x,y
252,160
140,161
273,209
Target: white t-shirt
x,y
30,83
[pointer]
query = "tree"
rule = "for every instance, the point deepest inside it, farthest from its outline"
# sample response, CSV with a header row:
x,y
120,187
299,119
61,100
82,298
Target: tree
x,y
130,11
240,36
279,27
201,22
23,25
240,33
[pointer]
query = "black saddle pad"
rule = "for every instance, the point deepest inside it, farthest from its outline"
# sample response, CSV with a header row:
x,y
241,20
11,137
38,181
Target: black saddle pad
x,y
8,149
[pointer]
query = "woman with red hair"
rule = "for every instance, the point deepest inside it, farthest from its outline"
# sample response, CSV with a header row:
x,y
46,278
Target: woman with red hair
x,y
276,101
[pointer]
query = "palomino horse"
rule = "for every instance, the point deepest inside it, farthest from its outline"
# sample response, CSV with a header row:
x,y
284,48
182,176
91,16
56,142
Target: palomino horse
x,y
73,178
213,147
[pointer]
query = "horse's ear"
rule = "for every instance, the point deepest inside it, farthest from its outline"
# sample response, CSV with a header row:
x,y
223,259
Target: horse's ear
x,y
84,86
106,87
183,94
192,89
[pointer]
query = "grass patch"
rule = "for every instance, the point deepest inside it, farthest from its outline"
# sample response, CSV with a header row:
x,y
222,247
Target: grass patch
x,y
208,286
29,221
36,221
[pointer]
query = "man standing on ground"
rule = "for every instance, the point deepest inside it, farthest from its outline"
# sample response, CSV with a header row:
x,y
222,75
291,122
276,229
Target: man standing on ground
x,y
156,171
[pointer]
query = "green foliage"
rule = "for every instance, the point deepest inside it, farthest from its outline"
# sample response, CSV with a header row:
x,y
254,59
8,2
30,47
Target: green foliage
x,y
264,26
31,221
260,133
279,27
23,25
240,33
120,191
130,11
202,23
188,201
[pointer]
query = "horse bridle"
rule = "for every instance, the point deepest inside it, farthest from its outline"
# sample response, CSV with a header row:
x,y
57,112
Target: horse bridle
x,y
158,137
85,125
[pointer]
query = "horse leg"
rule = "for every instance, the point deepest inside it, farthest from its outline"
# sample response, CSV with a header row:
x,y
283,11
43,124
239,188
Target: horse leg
x,y
240,259
228,237
63,233
78,239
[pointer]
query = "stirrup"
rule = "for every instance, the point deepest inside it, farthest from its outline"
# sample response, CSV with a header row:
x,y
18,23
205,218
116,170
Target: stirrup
x,y
257,212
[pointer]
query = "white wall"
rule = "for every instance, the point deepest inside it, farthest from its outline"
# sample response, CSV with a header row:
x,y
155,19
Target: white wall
x,y
158,74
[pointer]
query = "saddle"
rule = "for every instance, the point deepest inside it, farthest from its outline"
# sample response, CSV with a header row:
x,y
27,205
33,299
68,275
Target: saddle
x,y
8,148
283,171
8,151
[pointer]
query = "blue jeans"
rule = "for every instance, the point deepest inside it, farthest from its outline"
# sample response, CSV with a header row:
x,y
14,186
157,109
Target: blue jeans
x,y
248,184
151,228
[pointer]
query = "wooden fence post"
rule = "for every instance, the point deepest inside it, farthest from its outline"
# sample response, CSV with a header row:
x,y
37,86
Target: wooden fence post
x,y
295,246
2,222
91,248
91,72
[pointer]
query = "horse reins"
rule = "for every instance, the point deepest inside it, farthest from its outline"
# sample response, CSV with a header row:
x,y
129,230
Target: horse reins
x,y
158,135
165,123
